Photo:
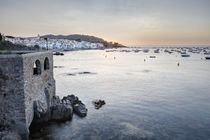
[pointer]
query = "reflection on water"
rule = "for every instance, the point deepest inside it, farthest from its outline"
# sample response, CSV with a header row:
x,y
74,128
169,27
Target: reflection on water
x,y
149,100
81,73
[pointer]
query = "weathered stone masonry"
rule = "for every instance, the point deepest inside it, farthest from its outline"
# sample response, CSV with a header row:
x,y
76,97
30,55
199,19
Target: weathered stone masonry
x,y
24,79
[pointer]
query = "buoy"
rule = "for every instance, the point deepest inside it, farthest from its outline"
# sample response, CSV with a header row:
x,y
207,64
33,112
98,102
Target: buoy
x,y
178,64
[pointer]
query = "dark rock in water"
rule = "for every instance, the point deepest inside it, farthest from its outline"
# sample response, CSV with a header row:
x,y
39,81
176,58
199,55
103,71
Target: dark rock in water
x,y
99,103
80,109
58,53
72,99
61,112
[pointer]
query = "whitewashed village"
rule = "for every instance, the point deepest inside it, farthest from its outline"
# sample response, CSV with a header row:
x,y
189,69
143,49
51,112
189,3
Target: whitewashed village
x,y
55,44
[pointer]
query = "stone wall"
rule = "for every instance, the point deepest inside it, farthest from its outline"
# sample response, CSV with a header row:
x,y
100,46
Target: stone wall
x,y
12,108
37,87
19,87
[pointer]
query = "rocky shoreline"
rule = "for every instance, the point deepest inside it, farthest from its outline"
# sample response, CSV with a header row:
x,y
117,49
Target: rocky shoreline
x,y
61,110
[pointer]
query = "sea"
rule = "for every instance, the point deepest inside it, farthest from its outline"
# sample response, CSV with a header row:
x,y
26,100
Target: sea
x,y
148,95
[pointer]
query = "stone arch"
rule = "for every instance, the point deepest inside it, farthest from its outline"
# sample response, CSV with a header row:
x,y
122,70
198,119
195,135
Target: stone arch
x,y
46,64
37,68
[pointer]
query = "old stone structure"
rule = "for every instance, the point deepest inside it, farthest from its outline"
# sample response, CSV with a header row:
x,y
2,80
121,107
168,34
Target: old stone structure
x,y
24,79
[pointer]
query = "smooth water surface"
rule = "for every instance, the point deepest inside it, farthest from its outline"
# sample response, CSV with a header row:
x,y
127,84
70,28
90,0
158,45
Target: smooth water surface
x,y
146,98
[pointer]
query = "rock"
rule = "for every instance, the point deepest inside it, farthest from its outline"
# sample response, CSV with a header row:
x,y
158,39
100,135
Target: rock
x,y
65,100
61,112
99,103
80,109
40,109
72,99
56,100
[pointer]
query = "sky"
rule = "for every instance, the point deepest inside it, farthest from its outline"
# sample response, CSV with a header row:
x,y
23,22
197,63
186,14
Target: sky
x,y
130,22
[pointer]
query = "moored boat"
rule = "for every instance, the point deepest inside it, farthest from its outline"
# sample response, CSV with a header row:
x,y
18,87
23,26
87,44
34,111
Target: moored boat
x,y
185,55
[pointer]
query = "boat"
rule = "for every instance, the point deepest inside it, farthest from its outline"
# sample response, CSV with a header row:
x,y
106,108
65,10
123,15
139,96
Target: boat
x,y
146,51
185,55
168,51
207,58
152,57
157,51
136,51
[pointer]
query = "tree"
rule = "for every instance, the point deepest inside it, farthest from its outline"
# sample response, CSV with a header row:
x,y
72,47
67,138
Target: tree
x,y
1,37
78,40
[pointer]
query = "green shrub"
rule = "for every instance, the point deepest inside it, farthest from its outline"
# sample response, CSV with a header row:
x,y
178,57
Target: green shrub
x,y
6,45
8,36
5,52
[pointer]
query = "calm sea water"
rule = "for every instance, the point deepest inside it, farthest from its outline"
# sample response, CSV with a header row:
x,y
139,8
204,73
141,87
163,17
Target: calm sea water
x,y
146,100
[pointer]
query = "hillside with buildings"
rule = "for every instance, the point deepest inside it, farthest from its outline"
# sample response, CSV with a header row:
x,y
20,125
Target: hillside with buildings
x,y
71,42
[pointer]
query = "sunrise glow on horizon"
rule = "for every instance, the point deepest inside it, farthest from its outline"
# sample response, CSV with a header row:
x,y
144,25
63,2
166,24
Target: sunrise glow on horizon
x,y
129,22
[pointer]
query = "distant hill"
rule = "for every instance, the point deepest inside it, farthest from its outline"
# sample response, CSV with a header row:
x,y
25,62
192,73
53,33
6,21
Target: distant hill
x,y
87,38
6,45
78,37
